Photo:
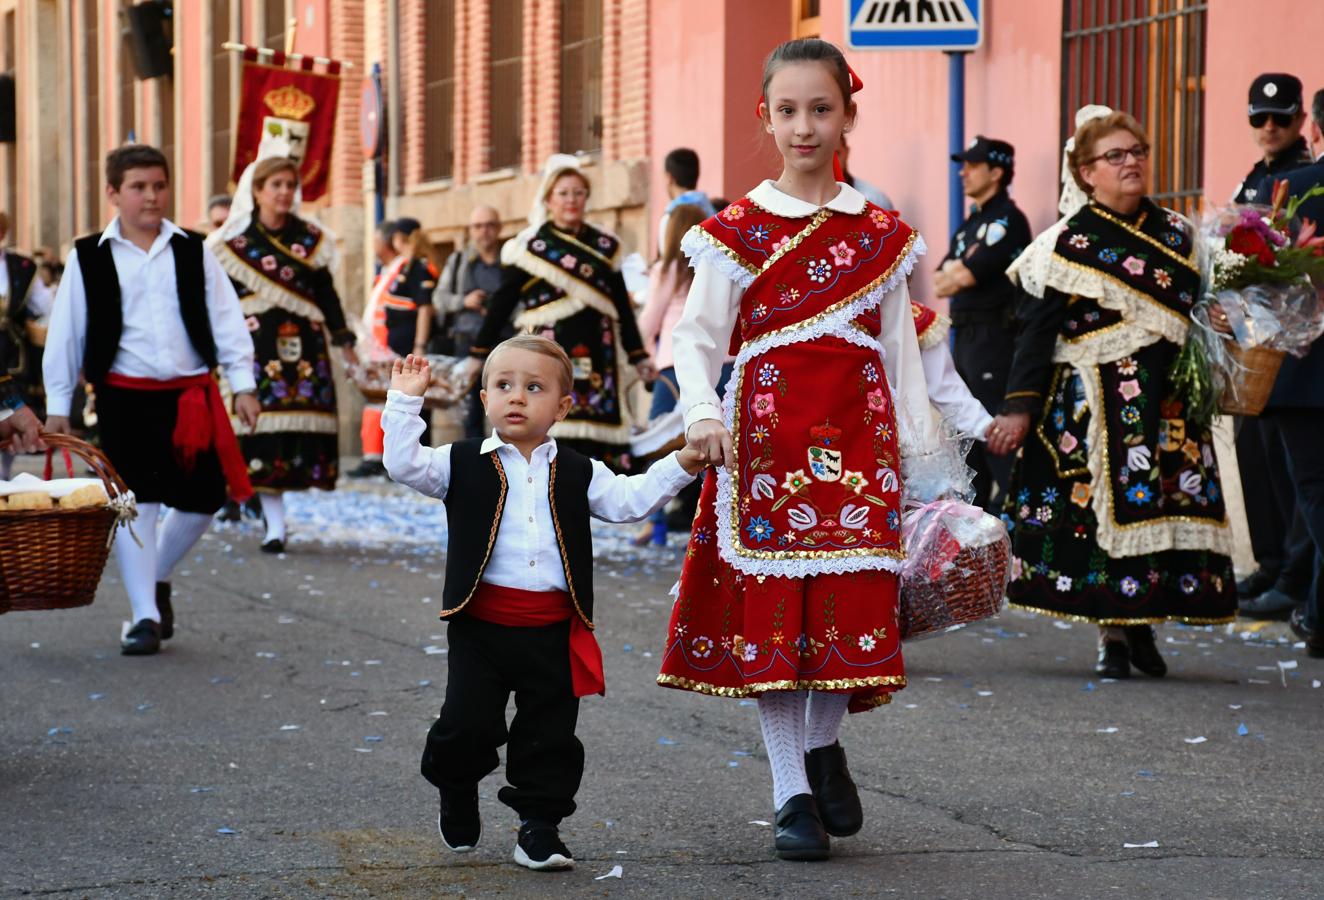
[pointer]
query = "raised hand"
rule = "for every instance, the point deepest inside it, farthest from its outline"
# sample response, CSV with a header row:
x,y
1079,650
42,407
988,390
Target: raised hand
x,y
411,375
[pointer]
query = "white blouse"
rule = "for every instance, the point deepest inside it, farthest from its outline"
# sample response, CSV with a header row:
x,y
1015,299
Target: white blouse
x,y
713,307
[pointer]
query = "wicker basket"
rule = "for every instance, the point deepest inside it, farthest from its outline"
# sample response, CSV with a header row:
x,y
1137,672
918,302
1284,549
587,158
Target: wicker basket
x,y
1255,380
53,558
955,572
373,378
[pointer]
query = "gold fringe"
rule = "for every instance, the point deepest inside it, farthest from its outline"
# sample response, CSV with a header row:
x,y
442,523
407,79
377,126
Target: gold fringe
x,y
801,684
1159,620
266,293
936,333
559,278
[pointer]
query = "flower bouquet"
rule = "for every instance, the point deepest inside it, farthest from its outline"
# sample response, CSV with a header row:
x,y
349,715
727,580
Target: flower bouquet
x,y
1264,270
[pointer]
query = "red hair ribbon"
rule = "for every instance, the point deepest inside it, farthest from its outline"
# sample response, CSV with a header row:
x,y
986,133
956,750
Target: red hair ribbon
x,y
856,85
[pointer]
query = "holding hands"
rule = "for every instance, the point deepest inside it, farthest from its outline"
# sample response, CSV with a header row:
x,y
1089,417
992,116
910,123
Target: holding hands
x,y
709,439
411,375
1007,433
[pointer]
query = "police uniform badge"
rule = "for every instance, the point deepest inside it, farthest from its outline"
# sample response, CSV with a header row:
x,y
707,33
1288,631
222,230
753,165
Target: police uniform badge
x,y
996,232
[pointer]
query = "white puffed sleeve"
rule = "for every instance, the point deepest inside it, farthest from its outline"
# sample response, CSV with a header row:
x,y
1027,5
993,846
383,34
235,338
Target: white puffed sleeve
x,y
950,395
700,340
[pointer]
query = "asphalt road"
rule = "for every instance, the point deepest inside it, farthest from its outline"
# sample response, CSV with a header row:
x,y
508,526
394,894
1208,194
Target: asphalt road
x,y
272,751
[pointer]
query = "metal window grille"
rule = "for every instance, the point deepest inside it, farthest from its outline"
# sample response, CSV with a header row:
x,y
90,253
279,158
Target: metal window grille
x,y
439,90
506,73
222,138
581,75
1146,57
92,171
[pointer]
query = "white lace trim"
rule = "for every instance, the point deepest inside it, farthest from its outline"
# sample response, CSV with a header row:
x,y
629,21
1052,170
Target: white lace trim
x,y
699,246
936,333
1118,541
836,324
266,293
257,303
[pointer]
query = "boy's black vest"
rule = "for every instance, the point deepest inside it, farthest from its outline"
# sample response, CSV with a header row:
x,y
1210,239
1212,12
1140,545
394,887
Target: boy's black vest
x,y
105,311
477,494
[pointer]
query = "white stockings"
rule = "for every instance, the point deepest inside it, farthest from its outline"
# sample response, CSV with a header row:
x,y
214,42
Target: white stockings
x,y
273,509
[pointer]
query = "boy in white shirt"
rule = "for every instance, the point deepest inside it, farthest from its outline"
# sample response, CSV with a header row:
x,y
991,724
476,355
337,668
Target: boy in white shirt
x,y
518,594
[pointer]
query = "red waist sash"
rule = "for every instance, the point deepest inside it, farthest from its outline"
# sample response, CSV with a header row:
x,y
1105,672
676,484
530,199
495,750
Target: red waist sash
x,y
202,424
524,609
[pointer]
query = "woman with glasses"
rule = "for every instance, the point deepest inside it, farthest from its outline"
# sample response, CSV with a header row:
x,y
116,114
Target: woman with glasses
x,y
1115,509
562,281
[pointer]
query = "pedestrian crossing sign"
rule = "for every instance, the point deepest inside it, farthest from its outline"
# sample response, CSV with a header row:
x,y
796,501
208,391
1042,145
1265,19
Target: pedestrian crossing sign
x,y
914,24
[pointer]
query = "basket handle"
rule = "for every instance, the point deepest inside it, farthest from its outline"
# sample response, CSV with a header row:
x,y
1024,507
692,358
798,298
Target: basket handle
x,y
95,459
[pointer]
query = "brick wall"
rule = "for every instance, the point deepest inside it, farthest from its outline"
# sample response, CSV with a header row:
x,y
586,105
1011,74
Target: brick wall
x,y
413,30
347,32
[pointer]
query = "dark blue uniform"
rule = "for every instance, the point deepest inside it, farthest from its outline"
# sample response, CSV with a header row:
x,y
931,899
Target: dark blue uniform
x,y
982,318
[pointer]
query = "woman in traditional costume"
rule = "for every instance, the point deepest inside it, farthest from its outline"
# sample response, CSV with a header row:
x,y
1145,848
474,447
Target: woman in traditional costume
x,y
562,273
1116,507
281,266
788,591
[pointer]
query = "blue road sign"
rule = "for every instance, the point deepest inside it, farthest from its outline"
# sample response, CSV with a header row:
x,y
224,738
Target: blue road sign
x,y
951,25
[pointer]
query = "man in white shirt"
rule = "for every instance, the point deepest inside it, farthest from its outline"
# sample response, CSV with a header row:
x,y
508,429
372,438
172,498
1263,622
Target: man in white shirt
x,y
146,312
23,296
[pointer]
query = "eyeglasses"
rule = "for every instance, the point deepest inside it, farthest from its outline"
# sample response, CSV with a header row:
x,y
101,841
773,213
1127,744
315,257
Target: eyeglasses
x,y
1140,153
1282,120
485,225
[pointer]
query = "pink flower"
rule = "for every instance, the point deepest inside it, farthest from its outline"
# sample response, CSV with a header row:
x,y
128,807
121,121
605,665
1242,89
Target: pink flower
x,y
842,254
269,263
299,250
569,262
1129,389
733,212
764,404
286,273
877,400
1162,278
880,219
1133,265
781,242
1068,442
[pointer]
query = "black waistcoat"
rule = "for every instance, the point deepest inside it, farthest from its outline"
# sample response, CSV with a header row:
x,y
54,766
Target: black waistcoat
x,y
474,501
105,311
21,272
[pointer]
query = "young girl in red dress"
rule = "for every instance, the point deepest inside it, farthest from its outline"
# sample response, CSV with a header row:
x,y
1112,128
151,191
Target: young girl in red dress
x,y
788,591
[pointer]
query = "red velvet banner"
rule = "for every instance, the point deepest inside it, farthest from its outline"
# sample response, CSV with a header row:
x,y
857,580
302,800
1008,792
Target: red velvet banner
x,y
296,104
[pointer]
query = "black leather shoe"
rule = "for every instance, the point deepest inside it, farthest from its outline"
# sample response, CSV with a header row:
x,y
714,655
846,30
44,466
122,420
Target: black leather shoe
x,y
165,609
143,639
458,821
1313,638
799,831
275,545
1145,654
835,793
1255,583
1114,660
1272,604
230,512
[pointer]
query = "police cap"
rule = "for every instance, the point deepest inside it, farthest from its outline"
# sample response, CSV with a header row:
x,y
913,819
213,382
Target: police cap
x,y
1275,92
988,150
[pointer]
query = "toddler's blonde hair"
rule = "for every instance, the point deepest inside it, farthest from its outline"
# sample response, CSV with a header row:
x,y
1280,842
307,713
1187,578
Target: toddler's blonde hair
x,y
535,343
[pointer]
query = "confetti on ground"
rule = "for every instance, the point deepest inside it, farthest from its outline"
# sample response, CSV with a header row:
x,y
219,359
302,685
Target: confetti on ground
x,y
666,742
289,728
1242,729
1089,686
201,790
1065,626
759,822
226,831
1145,846
95,696
984,693
1196,740
1111,729
616,872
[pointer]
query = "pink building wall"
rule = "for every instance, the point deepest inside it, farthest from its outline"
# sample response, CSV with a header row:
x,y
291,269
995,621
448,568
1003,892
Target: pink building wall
x,y
1242,46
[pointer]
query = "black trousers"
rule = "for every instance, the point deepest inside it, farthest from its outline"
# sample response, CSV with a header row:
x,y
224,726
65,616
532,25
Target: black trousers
x,y
1279,537
1300,430
544,759
982,352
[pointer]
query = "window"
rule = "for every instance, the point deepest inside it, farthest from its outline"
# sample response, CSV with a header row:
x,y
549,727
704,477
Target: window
x,y
1146,57
165,98
274,24
222,63
581,75
805,15
506,72
10,63
128,97
92,145
439,90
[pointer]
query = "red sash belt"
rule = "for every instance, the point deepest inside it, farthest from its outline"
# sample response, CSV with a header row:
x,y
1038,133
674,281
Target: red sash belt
x,y
202,424
513,606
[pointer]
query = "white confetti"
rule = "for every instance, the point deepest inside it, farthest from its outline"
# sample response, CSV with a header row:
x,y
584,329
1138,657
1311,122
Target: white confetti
x,y
616,872
1065,626
759,822
1111,729
289,728
1196,740
984,693
1144,846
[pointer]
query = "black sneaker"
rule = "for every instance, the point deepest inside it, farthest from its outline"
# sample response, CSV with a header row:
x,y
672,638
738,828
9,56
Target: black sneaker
x,y
539,847
369,468
458,821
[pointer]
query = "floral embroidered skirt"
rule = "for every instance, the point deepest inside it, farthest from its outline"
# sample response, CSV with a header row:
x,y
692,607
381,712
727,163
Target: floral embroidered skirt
x,y
733,635
296,445
595,425
1158,473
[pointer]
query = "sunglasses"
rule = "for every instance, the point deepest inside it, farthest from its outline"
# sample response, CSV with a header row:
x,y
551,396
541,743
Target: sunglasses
x,y
1282,120
1140,153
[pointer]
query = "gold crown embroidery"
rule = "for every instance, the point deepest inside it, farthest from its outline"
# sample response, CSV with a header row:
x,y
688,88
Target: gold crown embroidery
x,y
289,102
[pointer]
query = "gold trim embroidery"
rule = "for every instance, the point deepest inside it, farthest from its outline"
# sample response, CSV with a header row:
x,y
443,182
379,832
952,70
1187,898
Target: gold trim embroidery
x,y
573,239
266,293
311,254
491,536
1126,288
560,544
819,218
1058,372
727,251
1135,230
562,281
1154,620
801,684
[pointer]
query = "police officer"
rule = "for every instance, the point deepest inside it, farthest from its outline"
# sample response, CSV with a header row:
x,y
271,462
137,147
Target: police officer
x,y
973,275
1279,537
1276,117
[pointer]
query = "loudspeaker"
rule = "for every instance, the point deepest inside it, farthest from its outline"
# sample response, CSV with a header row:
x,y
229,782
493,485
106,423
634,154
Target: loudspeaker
x,y
150,38
8,109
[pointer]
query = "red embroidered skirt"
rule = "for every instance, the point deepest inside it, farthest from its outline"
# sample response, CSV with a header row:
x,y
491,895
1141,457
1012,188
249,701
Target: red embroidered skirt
x,y
735,635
